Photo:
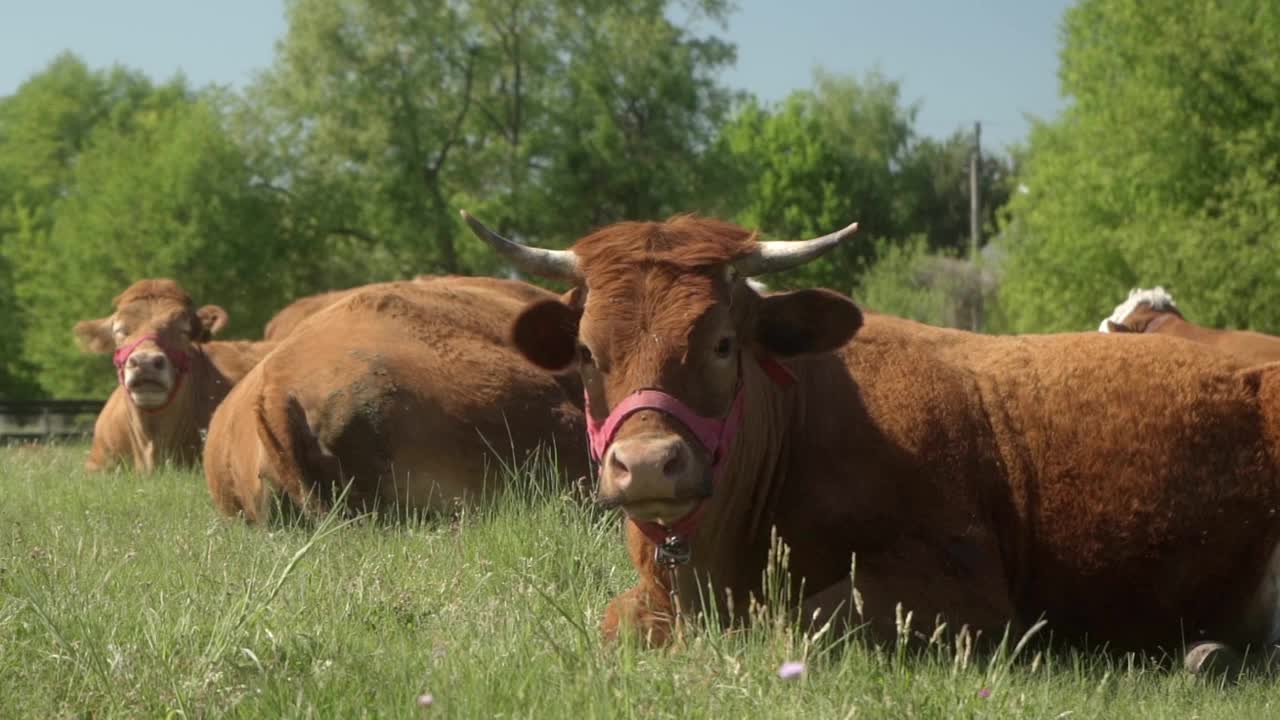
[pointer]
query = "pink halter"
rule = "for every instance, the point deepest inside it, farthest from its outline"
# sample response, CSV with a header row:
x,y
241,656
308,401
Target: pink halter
x,y
179,358
715,434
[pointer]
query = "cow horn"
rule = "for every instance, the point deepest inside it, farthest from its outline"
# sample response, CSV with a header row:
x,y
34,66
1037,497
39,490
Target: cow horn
x,y
783,255
562,264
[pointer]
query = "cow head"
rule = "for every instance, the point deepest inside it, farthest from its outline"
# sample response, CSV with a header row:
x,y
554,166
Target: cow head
x,y
1142,311
665,330
151,335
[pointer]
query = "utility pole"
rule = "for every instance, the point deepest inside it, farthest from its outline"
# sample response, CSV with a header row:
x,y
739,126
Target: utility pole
x,y
975,225
975,202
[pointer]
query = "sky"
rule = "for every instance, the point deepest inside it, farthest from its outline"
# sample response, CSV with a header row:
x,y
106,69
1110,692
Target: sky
x,y
992,61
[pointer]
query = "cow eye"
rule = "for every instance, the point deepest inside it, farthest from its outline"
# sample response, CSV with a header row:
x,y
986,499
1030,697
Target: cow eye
x,y
724,348
584,355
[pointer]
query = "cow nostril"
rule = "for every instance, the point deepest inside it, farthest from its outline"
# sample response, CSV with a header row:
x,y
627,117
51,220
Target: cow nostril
x,y
674,466
158,362
616,464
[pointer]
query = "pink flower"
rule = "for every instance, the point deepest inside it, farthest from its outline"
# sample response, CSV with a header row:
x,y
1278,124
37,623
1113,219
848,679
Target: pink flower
x,y
984,693
791,669
425,700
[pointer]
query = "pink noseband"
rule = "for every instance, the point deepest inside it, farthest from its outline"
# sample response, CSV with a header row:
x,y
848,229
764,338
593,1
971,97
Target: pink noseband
x,y
715,434
179,359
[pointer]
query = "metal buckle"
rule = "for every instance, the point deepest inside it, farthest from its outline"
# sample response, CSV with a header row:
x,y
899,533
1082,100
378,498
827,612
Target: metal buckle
x,y
672,552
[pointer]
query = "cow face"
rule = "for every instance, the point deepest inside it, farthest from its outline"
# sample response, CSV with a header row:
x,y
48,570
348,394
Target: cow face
x,y
152,334
1142,311
663,306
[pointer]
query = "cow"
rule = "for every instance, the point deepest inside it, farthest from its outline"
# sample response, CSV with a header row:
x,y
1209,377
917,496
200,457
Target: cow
x,y
291,316
1125,489
170,375
1154,311
408,391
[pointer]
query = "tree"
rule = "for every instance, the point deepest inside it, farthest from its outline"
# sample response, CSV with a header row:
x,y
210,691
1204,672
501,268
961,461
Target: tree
x,y
847,150
172,196
933,190
546,116
44,128
1164,169
820,160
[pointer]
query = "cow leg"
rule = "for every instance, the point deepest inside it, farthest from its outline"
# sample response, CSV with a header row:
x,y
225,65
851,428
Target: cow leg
x,y
929,583
645,609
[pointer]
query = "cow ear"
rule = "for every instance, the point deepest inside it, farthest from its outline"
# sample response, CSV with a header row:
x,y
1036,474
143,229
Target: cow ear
x,y
806,321
95,335
210,320
546,333
1115,327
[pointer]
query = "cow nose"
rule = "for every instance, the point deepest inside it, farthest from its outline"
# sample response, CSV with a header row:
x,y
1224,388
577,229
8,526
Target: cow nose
x,y
142,359
650,467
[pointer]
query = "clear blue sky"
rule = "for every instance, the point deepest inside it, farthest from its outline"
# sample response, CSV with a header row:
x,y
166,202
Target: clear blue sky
x,y
964,60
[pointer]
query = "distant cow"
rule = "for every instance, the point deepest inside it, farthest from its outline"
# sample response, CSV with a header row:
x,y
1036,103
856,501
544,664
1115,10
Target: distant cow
x,y
1126,488
1153,311
171,377
407,388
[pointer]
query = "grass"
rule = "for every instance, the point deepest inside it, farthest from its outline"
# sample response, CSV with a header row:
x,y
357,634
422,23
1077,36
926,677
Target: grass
x,y
123,596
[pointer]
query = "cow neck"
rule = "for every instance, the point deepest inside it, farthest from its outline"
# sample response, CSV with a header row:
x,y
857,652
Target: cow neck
x,y
172,430
728,546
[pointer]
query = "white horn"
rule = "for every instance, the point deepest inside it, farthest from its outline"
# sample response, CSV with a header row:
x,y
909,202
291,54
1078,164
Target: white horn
x,y
779,255
561,264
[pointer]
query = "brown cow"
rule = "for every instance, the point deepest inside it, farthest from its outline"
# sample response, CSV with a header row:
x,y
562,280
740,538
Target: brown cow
x,y
171,377
1153,311
291,316
1126,489
410,388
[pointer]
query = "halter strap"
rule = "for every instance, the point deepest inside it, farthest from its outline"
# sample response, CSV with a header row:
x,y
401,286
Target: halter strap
x,y
714,434
180,360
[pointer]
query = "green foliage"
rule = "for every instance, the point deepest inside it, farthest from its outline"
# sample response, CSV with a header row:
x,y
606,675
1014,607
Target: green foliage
x,y
846,151
894,284
544,117
937,288
170,198
346,162
1164,169
44,128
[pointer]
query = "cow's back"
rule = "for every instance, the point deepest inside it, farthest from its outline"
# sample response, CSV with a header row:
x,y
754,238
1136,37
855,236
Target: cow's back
x,y
412,389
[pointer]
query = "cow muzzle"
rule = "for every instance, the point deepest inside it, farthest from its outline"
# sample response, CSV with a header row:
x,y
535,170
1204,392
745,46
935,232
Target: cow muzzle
x,y
654,478
149,373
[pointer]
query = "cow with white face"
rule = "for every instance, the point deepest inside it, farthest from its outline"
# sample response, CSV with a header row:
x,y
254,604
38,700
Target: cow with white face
x,y
170,376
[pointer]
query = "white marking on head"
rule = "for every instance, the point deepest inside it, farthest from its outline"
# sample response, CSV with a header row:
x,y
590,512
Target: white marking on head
x,y
758,286
1156,297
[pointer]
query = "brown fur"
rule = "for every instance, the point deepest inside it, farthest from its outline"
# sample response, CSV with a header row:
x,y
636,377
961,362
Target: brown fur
x,y
283,323
1123,487
1249,346
407,387
125,434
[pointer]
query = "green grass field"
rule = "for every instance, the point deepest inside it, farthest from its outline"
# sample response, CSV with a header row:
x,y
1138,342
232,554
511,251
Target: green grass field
x,y
123,596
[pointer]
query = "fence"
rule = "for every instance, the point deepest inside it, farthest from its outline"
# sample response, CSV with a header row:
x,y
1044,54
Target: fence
x,y
43,420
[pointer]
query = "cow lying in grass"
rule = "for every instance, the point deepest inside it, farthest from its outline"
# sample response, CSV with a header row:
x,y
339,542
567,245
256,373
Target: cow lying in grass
x,y
408,390
1124,488
1153,311
284,322
171,377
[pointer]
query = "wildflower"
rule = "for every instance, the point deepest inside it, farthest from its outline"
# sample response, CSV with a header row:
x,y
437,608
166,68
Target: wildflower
x,y
984,693
791,669
425,700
